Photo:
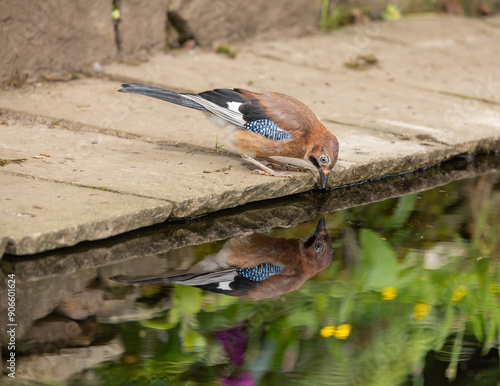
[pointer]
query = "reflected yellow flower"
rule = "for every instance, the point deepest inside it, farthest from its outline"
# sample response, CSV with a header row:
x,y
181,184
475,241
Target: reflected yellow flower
x,y
494,288
421,310
389,293
458,294
327,331
340,332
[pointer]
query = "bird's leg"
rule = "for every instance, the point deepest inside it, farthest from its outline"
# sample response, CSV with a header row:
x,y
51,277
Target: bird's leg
x,y
278,165
265,170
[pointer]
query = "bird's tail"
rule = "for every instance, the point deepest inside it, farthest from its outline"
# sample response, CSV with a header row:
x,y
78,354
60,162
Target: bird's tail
x,y
159,93
183,277
166,278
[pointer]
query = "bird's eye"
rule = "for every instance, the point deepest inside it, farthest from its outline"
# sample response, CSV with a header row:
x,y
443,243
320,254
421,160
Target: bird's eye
x,y
318,247
323,159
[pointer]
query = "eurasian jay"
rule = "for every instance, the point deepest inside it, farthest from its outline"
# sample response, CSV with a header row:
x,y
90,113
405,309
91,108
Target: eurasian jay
x,y
262,125
254,266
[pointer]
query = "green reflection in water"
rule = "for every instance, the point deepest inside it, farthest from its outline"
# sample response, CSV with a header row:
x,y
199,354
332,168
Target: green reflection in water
x,y
410,276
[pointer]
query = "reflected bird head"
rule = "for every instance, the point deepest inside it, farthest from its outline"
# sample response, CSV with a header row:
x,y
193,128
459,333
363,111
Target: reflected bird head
x,y
317,248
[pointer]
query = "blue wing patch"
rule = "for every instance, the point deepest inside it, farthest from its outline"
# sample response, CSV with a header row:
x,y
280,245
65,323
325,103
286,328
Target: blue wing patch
x,y
260,272
268,129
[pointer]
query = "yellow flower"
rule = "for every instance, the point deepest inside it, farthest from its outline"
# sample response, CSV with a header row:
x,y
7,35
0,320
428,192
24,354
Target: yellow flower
x,y
459,293
389,293
391,13
340,332
115,14
421,310
327,331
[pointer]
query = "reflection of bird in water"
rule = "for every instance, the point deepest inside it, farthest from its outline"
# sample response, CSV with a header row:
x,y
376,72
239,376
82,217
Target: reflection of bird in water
x,y
256,266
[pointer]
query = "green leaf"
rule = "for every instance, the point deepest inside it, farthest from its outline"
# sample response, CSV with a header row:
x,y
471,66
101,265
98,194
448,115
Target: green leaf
x,y
302,317
214,302
192,341
171,320
379,260
174,315
157,324
446,328
187,298
346,307
406,205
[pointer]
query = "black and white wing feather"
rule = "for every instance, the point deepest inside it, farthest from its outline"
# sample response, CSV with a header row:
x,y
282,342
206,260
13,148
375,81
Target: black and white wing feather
x,y
222,103
230,281
237,107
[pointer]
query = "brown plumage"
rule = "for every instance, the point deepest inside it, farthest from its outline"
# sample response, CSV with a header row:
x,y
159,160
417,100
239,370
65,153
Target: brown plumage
x,y
256,266
263,125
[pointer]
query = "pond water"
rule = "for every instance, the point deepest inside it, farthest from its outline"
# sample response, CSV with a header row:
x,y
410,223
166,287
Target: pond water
x,y
403,291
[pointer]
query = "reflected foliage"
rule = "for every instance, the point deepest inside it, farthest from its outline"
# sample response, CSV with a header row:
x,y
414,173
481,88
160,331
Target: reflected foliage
x,y
414,281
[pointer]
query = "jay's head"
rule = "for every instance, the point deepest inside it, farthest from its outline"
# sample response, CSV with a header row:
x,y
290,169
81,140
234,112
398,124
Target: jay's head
x,y
323,155
317,248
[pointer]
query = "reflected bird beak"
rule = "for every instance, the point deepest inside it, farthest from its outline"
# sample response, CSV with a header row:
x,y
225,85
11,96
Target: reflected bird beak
x,y
321,225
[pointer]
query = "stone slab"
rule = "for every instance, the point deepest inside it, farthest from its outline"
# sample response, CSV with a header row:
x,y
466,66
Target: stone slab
x,y
494,20
194,182
38,215
372,116
369,101
97,103
412,91
441,53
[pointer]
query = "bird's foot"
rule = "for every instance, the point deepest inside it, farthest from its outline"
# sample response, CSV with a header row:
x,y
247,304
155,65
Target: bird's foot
x,y
292,168
272,173
264,170
277,165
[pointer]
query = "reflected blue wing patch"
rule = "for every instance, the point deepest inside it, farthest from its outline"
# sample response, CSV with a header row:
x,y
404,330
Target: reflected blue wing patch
x,y
268,129
260,272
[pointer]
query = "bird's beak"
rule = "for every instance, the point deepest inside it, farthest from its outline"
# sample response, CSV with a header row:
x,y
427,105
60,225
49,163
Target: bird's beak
x,y
321,225
323,176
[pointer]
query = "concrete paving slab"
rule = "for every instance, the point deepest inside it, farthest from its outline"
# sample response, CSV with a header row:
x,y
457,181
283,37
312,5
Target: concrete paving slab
x,y
360,111
494,20
444,54
345,96
359,114
37,215
395,96
348,95
365,153
97,103
193,182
